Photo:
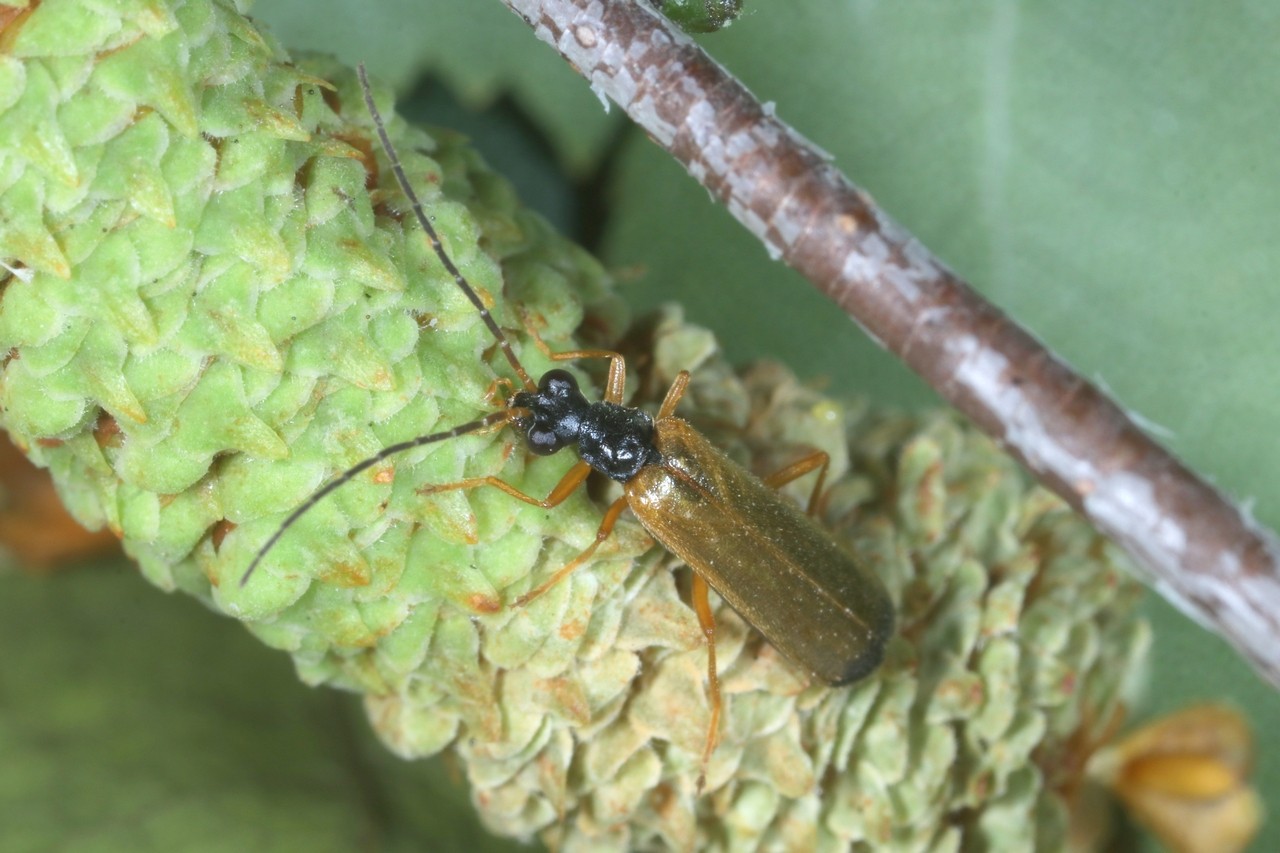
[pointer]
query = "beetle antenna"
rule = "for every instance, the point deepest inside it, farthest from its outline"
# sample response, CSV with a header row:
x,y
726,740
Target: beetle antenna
x,y
392,450
430,231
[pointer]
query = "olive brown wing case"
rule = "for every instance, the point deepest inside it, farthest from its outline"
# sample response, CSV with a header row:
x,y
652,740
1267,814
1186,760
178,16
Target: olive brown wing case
x,y
782,572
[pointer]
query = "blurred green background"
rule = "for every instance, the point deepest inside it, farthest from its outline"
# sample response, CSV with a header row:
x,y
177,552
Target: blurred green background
x,y
1106,173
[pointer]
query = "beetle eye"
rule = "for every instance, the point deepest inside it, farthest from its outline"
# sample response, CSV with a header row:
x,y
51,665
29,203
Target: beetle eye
x,y
542,441
558,383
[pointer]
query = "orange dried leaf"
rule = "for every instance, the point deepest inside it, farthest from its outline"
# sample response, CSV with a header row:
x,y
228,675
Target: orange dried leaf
x,y
34,526
1186,778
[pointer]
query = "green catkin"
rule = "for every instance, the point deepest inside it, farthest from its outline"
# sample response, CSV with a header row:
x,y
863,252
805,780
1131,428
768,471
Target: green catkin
x,y
210,314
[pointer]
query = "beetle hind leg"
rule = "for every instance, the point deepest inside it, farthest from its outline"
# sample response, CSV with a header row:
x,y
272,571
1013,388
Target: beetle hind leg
x,y
707,621
602,533
819,460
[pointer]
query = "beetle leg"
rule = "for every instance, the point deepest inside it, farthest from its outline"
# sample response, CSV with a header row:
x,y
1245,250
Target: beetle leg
x,y
818,459
567,485
707,621
602,533
613,386
674,393
499,391
616,384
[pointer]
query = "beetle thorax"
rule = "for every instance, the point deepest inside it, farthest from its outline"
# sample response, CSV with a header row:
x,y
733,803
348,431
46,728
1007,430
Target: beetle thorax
x,y
615,440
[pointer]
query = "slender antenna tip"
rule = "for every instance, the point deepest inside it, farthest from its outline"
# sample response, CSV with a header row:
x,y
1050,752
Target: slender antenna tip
x,y
248,573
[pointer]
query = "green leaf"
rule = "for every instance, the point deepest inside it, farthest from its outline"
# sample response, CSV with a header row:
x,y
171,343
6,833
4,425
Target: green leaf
x,y
1096,170
482,50
131,720
1190,665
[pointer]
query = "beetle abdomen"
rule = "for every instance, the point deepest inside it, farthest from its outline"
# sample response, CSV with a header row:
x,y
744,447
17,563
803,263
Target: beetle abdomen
x,y
783,573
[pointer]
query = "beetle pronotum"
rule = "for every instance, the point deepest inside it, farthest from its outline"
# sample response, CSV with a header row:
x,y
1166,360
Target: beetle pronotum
x,y
827,613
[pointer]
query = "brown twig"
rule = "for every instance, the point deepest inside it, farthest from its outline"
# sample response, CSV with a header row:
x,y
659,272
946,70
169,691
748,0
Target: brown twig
x,y
1200,551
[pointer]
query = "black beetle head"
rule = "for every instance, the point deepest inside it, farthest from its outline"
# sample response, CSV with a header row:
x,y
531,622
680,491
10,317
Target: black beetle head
x,y
555,412
542,439
557,385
